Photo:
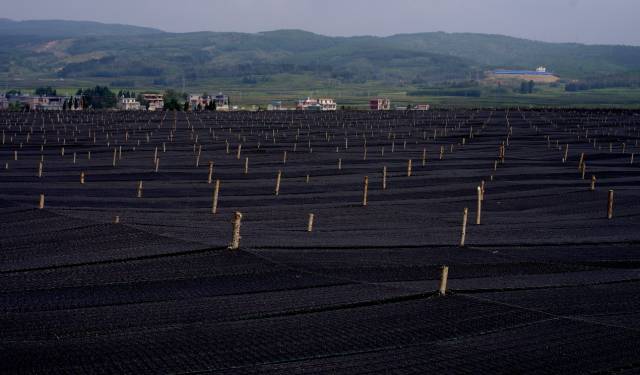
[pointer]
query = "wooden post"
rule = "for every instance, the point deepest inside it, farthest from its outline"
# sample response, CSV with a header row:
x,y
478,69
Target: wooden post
x,y
464,226
115,155
479,209
39,169
82,178
366,190
157,167
210,178
566,153
632,158
584,169
216,191
441,152
239,151
409,167
384,178
339,164
41,203
116,220
139,189
593,183
235,240
278,178
246,165
284,157
307,179
444,276
310,223
610,205
482,187
581,161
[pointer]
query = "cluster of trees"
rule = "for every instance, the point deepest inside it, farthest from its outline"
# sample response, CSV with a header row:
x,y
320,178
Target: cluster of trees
x,y
593,84
11,93
126,94
209,107
99,97
527,87
46,91
175,101
16,107
73,103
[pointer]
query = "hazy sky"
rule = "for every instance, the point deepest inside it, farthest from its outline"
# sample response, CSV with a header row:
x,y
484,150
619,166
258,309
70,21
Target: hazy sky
x,y
584,21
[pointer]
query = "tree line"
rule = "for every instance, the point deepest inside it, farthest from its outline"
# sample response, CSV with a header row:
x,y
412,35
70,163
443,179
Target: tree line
x,y
102,97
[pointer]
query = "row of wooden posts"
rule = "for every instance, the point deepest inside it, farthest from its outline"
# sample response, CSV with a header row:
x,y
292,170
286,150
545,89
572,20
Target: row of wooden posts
x,y
235,243
238,216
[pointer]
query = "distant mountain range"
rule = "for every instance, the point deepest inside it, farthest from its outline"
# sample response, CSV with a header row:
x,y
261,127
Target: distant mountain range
x,y
87,50
69,29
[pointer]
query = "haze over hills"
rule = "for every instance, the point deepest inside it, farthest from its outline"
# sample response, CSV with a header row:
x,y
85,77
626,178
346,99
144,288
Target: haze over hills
x,y
87,50
62,28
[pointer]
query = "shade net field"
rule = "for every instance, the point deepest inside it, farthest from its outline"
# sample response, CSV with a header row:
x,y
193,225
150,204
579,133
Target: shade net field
x,y
113,261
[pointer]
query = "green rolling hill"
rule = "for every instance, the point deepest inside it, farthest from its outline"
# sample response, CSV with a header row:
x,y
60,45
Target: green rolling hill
x,y
130,56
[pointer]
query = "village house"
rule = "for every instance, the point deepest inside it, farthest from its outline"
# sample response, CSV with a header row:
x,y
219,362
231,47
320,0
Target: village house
x,y
222,102
155,101
276,105
199,102
128,104
380,104
321,104
305,104
39,103
328,104
421,107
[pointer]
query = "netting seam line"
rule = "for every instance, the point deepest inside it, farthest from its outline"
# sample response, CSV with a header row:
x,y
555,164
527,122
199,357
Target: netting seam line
x,y
132,226
414,246
169,300
114,261
557,316
331,277
518,289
